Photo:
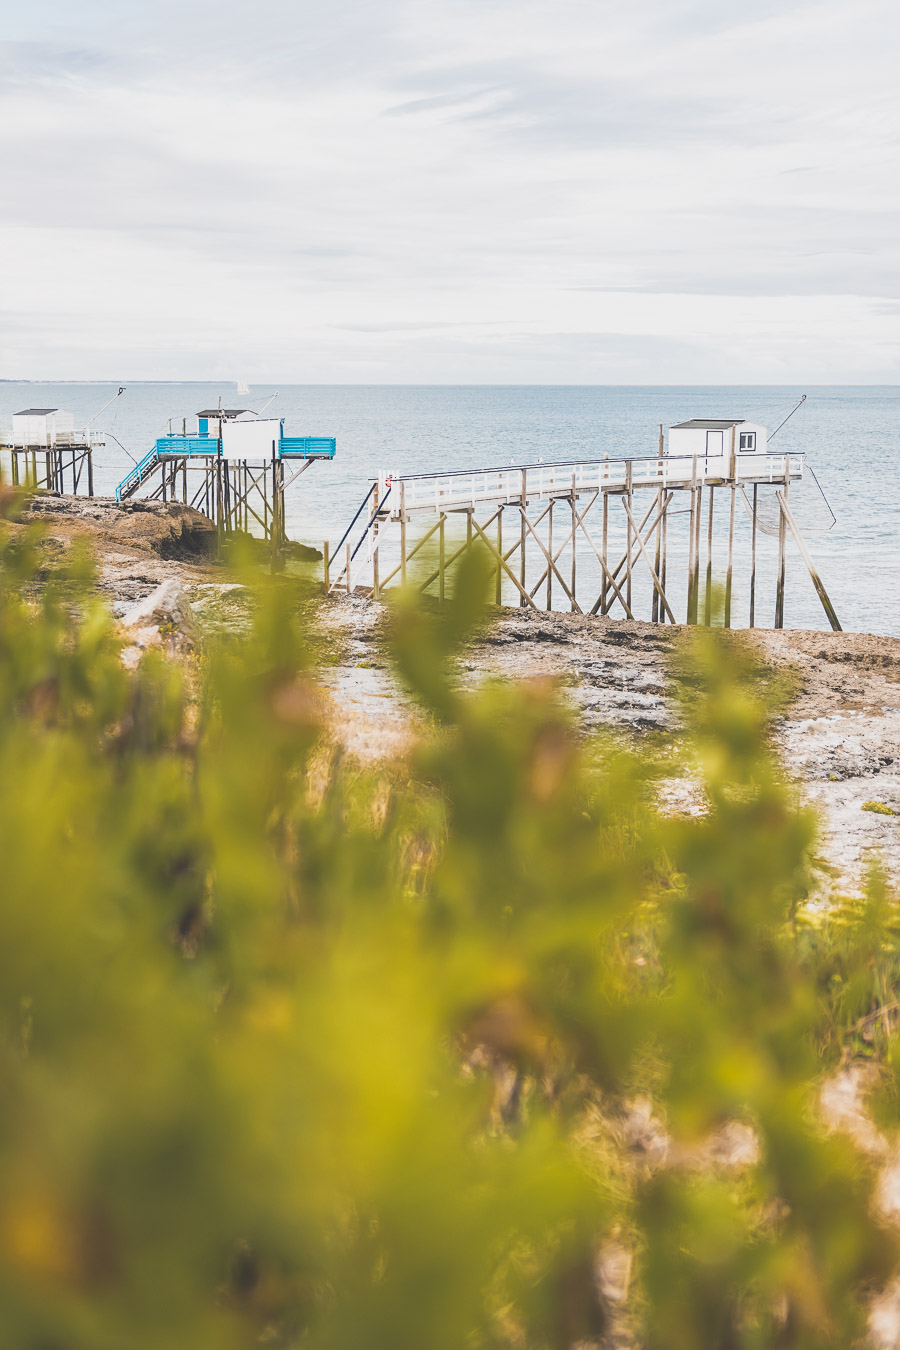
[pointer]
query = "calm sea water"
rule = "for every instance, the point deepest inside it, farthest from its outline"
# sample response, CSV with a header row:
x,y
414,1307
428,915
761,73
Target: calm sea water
x,y
851,435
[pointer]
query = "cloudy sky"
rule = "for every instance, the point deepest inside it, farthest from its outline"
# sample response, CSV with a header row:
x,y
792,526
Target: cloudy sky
x,y
573,191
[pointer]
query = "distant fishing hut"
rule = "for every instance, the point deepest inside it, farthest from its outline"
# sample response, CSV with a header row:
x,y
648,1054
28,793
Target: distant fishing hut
x,y
46,450
235,468
549,527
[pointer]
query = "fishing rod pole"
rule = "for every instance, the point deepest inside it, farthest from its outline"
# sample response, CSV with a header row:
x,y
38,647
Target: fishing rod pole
x,y
789,416
121,390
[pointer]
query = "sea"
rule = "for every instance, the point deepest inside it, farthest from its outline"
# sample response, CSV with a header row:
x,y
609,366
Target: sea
x,y
850,434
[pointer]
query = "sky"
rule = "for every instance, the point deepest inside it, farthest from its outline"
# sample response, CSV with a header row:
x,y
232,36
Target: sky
x,y
450,191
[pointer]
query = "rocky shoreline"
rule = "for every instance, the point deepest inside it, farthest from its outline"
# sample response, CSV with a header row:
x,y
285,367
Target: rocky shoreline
x,y
838,737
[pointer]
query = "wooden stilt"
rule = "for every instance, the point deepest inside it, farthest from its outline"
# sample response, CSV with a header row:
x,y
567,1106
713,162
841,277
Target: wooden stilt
x,y
707,606
376,589
753,556
729,574
441,556
574,541
604,547
549,551
522,536
690,616
403,534
663,530
828,607
779,590
498,589
654,604
349,560
629,471
782,554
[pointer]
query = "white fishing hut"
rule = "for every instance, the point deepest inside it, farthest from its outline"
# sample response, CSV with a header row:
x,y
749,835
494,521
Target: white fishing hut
x,y
211,420
42,428
711,439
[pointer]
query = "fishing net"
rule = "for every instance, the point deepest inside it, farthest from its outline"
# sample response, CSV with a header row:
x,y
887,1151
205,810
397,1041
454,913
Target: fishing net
x,y
807,502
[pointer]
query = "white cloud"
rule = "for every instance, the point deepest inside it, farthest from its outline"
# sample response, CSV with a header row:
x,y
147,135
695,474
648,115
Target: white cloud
x,y
450,191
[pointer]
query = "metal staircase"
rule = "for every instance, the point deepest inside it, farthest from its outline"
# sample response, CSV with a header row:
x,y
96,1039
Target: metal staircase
x,y
138,475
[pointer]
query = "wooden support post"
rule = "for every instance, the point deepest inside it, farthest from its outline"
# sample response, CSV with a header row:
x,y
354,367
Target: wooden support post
x,y
729,573
375,586
349,561
441,557
604,549
690,616
663,530
629,470
654,603
90,469
782,551
402,534
707,605
698,524
522,535
753,557
498,590
828,607
574,540
549,605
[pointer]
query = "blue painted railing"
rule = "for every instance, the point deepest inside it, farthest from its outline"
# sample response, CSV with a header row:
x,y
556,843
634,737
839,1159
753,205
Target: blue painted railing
x,y
308,446
187,445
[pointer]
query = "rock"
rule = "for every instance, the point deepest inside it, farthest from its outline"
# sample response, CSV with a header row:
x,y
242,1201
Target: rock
x,y
164,620
172,530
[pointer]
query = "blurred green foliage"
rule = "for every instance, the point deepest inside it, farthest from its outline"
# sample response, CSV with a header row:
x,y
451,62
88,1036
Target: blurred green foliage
x,y
434,1055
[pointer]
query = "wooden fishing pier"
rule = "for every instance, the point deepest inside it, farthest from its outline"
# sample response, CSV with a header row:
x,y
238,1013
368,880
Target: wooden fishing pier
x,y
236,469
549,529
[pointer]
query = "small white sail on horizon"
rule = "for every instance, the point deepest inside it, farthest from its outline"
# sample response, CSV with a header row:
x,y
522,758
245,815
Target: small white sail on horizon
x,y
243,389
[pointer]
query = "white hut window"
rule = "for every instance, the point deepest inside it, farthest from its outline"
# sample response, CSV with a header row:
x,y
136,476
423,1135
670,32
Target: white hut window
x,y
748,440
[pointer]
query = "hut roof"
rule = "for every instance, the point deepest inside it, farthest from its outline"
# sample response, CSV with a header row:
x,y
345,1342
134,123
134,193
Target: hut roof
x,y
708,423
223,412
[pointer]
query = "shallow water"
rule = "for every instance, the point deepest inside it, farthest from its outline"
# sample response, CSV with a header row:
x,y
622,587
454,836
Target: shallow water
x,y
851,434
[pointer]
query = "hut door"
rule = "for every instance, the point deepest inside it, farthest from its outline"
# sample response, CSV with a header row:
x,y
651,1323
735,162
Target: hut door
x,y
715,450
